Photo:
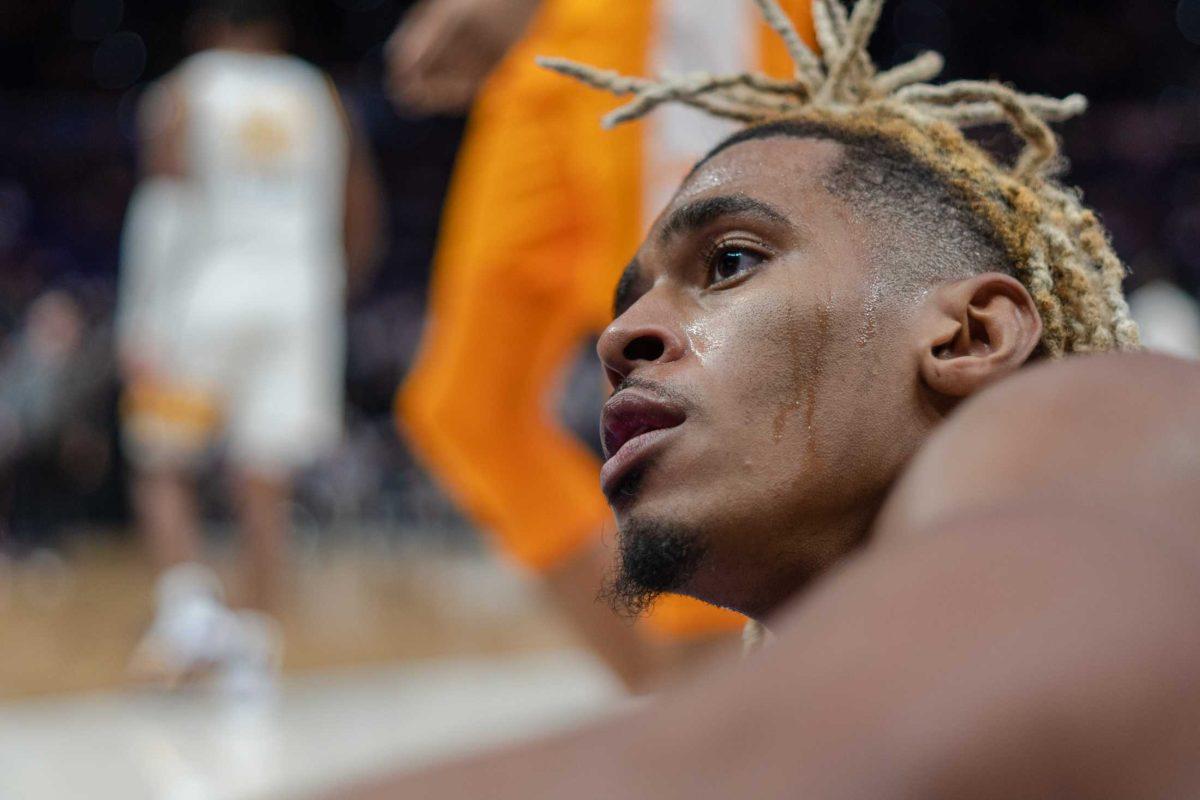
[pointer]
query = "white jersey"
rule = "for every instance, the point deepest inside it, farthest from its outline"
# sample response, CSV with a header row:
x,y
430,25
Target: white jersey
x,y
266,156
233,278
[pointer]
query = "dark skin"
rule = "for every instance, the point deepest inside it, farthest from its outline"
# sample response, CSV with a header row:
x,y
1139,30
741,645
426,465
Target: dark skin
x,y
1021,622
443,50
755,304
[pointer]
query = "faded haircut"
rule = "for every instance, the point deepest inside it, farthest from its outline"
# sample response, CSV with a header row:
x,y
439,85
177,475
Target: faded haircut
x,y
923,229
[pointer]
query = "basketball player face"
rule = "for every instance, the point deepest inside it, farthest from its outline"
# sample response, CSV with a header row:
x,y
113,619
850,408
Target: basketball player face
x,y
762,403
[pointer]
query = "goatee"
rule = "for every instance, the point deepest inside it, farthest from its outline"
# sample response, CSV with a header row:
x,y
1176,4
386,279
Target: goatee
x,y
655,558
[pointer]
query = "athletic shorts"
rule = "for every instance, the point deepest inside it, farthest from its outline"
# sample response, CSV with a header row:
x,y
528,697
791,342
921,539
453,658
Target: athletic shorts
x,y
263,378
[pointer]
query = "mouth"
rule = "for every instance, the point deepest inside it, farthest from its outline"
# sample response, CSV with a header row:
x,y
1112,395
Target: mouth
x,y
632,424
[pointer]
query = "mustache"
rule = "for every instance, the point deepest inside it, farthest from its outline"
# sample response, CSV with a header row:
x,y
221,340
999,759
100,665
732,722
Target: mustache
x,y
658,390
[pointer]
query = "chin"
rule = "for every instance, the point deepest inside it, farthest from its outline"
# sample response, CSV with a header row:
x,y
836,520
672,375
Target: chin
x,y
729,572
650,494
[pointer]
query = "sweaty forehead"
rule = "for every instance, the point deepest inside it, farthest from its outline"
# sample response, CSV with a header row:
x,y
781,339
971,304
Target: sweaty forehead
x,y
784,171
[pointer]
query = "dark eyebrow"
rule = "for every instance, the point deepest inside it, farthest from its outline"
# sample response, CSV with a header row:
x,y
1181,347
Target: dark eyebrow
x,y
623,297
691,217
700,213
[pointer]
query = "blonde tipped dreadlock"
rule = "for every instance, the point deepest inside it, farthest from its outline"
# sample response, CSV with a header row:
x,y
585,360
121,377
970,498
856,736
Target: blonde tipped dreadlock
x,y
1058,248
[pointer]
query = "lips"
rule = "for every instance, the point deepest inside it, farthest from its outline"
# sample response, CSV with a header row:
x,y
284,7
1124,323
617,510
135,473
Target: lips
x,y
631,424
628,415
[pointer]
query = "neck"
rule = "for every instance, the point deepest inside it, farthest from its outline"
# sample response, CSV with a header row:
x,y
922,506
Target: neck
x,y
805,552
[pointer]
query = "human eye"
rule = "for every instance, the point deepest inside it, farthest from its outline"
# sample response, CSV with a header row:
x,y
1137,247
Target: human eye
x,y
731,261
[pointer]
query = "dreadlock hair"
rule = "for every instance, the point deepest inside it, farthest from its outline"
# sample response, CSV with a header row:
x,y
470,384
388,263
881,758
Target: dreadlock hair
x,y
1016,216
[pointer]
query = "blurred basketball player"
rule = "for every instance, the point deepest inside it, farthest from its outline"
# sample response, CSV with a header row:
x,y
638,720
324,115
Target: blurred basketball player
x,y
255,199
543,210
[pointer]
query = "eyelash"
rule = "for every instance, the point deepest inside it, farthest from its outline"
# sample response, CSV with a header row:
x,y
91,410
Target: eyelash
x,y
722,248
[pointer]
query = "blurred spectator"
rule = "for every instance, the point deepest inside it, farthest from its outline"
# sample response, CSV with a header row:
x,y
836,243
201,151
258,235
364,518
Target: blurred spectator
x,y
54,445
1169,318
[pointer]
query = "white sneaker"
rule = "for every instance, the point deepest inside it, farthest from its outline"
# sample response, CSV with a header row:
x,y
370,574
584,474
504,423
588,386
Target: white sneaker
x,y
189,635
250,666
195,637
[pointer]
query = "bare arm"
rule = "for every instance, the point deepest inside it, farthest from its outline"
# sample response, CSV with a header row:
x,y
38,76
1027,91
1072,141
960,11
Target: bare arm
x,y
443,50
152,229
1037,639
363,227
162,132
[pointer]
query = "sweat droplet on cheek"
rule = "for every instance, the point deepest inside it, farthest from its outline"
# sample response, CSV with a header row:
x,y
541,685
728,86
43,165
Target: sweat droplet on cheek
x,y
806,334
702,341
816,372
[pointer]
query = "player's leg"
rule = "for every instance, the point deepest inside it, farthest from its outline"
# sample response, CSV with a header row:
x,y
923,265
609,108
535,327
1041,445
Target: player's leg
x,y
476,408
504,324
253,653
166,430
167,514
528,480
263,509
285,412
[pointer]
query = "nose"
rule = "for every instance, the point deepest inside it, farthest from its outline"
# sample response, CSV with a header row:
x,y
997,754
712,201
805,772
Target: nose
x,y
627,345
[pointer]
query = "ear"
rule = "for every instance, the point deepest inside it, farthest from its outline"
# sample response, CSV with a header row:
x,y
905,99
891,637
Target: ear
x,y
976,331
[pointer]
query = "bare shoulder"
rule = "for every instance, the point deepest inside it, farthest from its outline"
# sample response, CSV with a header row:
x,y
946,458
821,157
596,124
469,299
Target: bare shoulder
x,y
1131,391
162,127
160,103
1131,374
1120,430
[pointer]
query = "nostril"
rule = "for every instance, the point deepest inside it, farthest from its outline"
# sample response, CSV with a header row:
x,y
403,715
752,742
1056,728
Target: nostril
x,y
644,348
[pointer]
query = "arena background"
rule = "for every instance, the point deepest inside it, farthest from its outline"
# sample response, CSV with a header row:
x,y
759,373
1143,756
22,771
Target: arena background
x,y
392,576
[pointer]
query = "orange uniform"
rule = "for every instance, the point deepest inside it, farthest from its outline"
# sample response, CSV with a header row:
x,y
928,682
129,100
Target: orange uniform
x,y
545,210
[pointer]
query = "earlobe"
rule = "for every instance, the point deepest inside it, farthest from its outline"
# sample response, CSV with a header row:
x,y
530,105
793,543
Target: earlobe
x,y
977,331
